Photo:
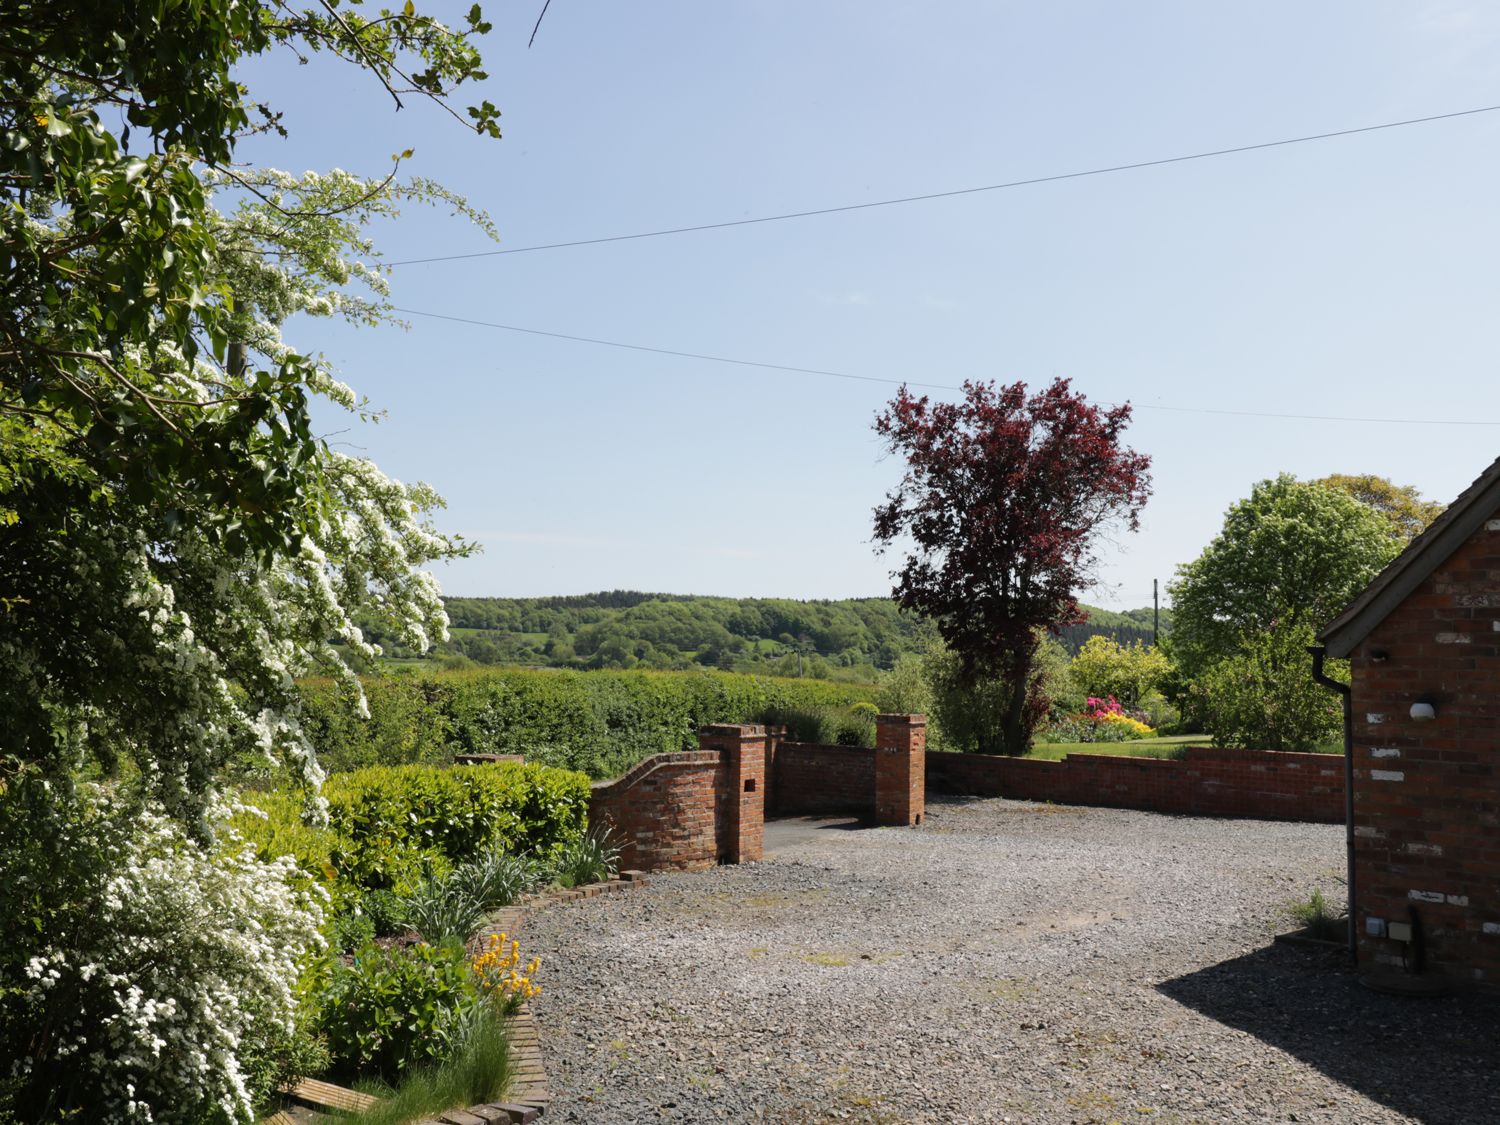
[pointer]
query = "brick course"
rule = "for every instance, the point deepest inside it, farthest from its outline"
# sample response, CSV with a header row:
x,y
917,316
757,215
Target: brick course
x,y
1207,782
1427,794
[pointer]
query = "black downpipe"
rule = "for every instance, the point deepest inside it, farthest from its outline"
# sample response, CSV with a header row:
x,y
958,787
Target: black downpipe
x,y
1319,653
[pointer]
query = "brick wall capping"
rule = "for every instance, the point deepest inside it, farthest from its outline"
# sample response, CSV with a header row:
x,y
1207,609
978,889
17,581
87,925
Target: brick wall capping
x,y
732,730
902,720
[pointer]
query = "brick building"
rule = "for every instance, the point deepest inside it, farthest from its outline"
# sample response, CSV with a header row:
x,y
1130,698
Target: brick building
x,y
1423,641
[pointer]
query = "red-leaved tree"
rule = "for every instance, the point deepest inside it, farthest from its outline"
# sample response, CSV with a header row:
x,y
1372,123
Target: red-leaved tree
x,y
1003,496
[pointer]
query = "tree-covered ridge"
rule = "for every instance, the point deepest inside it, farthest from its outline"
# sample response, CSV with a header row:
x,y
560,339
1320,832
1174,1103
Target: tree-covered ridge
x,y
626,628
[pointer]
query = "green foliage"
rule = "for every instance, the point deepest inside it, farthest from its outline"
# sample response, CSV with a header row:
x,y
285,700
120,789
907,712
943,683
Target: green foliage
x,y
592,858
601,723
393,1009
176,544
349,930
445,908
1318,917
390,823
965,715
1264,697
477,1070
1104,667
385,910
1291,555
904,691
274,822
390,827
1400,505
498,878
851,638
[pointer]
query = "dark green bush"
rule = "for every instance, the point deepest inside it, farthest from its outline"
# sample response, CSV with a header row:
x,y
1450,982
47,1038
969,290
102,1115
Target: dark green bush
x,y
395,1009
350,930
385,910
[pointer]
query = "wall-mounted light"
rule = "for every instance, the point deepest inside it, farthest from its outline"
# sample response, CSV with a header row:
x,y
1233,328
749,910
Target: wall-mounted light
x,y
1422,711
1379,656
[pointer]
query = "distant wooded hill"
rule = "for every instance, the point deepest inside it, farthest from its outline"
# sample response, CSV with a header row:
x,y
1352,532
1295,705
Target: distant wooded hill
x,y
850,638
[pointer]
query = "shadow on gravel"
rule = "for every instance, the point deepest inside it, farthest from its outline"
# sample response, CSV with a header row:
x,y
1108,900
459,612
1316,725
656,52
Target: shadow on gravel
x,y
1435,1060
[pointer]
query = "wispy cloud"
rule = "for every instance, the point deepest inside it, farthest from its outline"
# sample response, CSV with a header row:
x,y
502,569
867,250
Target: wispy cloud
x,y
843,298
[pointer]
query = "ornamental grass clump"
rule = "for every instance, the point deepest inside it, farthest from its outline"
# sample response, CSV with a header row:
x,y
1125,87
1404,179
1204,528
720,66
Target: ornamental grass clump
x,y
592,858
444,908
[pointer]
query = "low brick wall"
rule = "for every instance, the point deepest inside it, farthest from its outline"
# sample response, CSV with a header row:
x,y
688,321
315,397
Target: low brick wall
x,y
1207,782
662,813
811,779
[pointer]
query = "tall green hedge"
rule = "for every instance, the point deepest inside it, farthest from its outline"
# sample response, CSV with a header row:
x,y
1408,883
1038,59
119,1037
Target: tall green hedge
x,y
388,824
597,722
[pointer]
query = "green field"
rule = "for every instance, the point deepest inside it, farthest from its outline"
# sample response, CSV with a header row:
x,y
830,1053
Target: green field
x,y
1171,746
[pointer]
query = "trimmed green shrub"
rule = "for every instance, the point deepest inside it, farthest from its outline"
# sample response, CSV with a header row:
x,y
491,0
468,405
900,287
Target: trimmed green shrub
x,y
391,827
393,824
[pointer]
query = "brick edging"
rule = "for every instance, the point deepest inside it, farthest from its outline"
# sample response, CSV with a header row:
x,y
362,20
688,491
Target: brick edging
x,y
529,1095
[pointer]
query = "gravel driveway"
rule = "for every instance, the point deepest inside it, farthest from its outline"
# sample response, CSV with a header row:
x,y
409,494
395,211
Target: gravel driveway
x,y
1006,962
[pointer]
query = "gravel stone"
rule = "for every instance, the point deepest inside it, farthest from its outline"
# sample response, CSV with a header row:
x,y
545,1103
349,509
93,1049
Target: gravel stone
x,y
1006,962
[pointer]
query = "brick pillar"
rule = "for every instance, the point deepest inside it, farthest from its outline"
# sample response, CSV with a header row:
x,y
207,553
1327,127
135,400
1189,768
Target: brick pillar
x,y
775,736
741,804
900,769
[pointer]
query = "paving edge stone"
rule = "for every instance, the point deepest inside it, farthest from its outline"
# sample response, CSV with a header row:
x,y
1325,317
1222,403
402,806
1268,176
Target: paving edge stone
x,y
529,1097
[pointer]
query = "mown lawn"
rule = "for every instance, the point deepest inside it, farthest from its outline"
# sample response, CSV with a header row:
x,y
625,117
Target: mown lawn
x,y
1171,746
1168,747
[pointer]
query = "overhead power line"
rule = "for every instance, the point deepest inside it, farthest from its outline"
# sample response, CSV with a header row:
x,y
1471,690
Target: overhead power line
x,y
912,383
1183,159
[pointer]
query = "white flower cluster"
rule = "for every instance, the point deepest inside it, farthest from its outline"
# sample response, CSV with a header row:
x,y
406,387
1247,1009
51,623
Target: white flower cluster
x,y
188,954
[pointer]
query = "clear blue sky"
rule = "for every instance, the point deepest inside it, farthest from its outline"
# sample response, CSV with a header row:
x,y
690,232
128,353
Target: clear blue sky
x,y
1356,276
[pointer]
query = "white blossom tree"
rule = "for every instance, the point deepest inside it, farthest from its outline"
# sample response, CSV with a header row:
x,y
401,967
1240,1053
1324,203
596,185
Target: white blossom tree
x,y
177,546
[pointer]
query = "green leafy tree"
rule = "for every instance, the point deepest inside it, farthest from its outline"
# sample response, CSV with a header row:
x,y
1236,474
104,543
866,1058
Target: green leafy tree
x,y
177,545
1402,506
1264,697
1290,555
967,713
1105,667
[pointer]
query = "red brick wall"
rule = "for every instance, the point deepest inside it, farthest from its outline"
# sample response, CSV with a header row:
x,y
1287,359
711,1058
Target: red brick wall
x,y
900,769
662,812
1208,782
692,809
1427,795
824,779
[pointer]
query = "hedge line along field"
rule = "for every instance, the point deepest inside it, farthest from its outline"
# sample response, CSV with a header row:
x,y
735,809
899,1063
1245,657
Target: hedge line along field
x,y
600,723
